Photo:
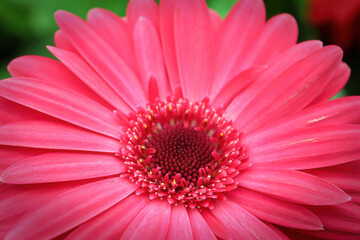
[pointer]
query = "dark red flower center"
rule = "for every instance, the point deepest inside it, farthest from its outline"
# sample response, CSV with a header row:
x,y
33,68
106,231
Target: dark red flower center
x,y
185,152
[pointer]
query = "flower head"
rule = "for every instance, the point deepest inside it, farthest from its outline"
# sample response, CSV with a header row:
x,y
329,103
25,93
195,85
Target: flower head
x,y
172,123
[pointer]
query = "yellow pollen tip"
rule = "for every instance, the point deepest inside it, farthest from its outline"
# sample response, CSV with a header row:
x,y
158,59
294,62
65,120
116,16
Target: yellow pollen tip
x,y
174,181
149,117
145,126
135,137
143,147
170,108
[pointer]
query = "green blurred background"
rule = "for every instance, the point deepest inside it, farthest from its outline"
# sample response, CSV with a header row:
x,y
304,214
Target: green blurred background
x,y
27,26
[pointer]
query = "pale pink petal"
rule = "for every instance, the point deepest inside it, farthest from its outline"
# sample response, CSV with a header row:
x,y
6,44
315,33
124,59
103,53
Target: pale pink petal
x,y
192,25
310,147
240,223
149,57
114,30
50,71
337,82
62,104
71,209
102,58
279,34
83,71
142,8
54,135
343,217
276,211
112,223
157,212
294,186
232,44
61,41
275,67
58,167
200,229
216,226
168,41
180,227
12,112
290,91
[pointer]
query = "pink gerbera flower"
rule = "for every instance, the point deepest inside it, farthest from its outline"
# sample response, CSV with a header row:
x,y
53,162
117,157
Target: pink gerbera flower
x,y
172,123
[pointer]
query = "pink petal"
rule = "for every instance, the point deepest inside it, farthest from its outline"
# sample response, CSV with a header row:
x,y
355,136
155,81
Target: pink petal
x,y
277,231
249,16
224,95
11,112
337,82
10,155
53,135
51,71
276,211
179,227
279,63
279,34
216,21
343,217
114,30
112,223
192,25
149,55
200,228
346,180
62,104
216,226
58,167
18,199
290,91
331,235
102,58
310,147
338,111
142,8
157,212
61,41
71,209
83,71
168,41
294,186
240,223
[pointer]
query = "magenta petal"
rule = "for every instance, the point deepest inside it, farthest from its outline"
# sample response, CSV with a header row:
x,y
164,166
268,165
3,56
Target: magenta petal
x,y
58,166
240,223
71,209
149,55
276,211
51,135
62,104
113,222
157,212
102,58
10,155
179,227
216,226
294,186
192,25
200,228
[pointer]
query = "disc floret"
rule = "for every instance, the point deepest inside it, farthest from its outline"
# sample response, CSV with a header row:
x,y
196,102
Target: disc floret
x,y
185,152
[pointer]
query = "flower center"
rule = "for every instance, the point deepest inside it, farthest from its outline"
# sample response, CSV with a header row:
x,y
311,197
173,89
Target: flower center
x,y
185,152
